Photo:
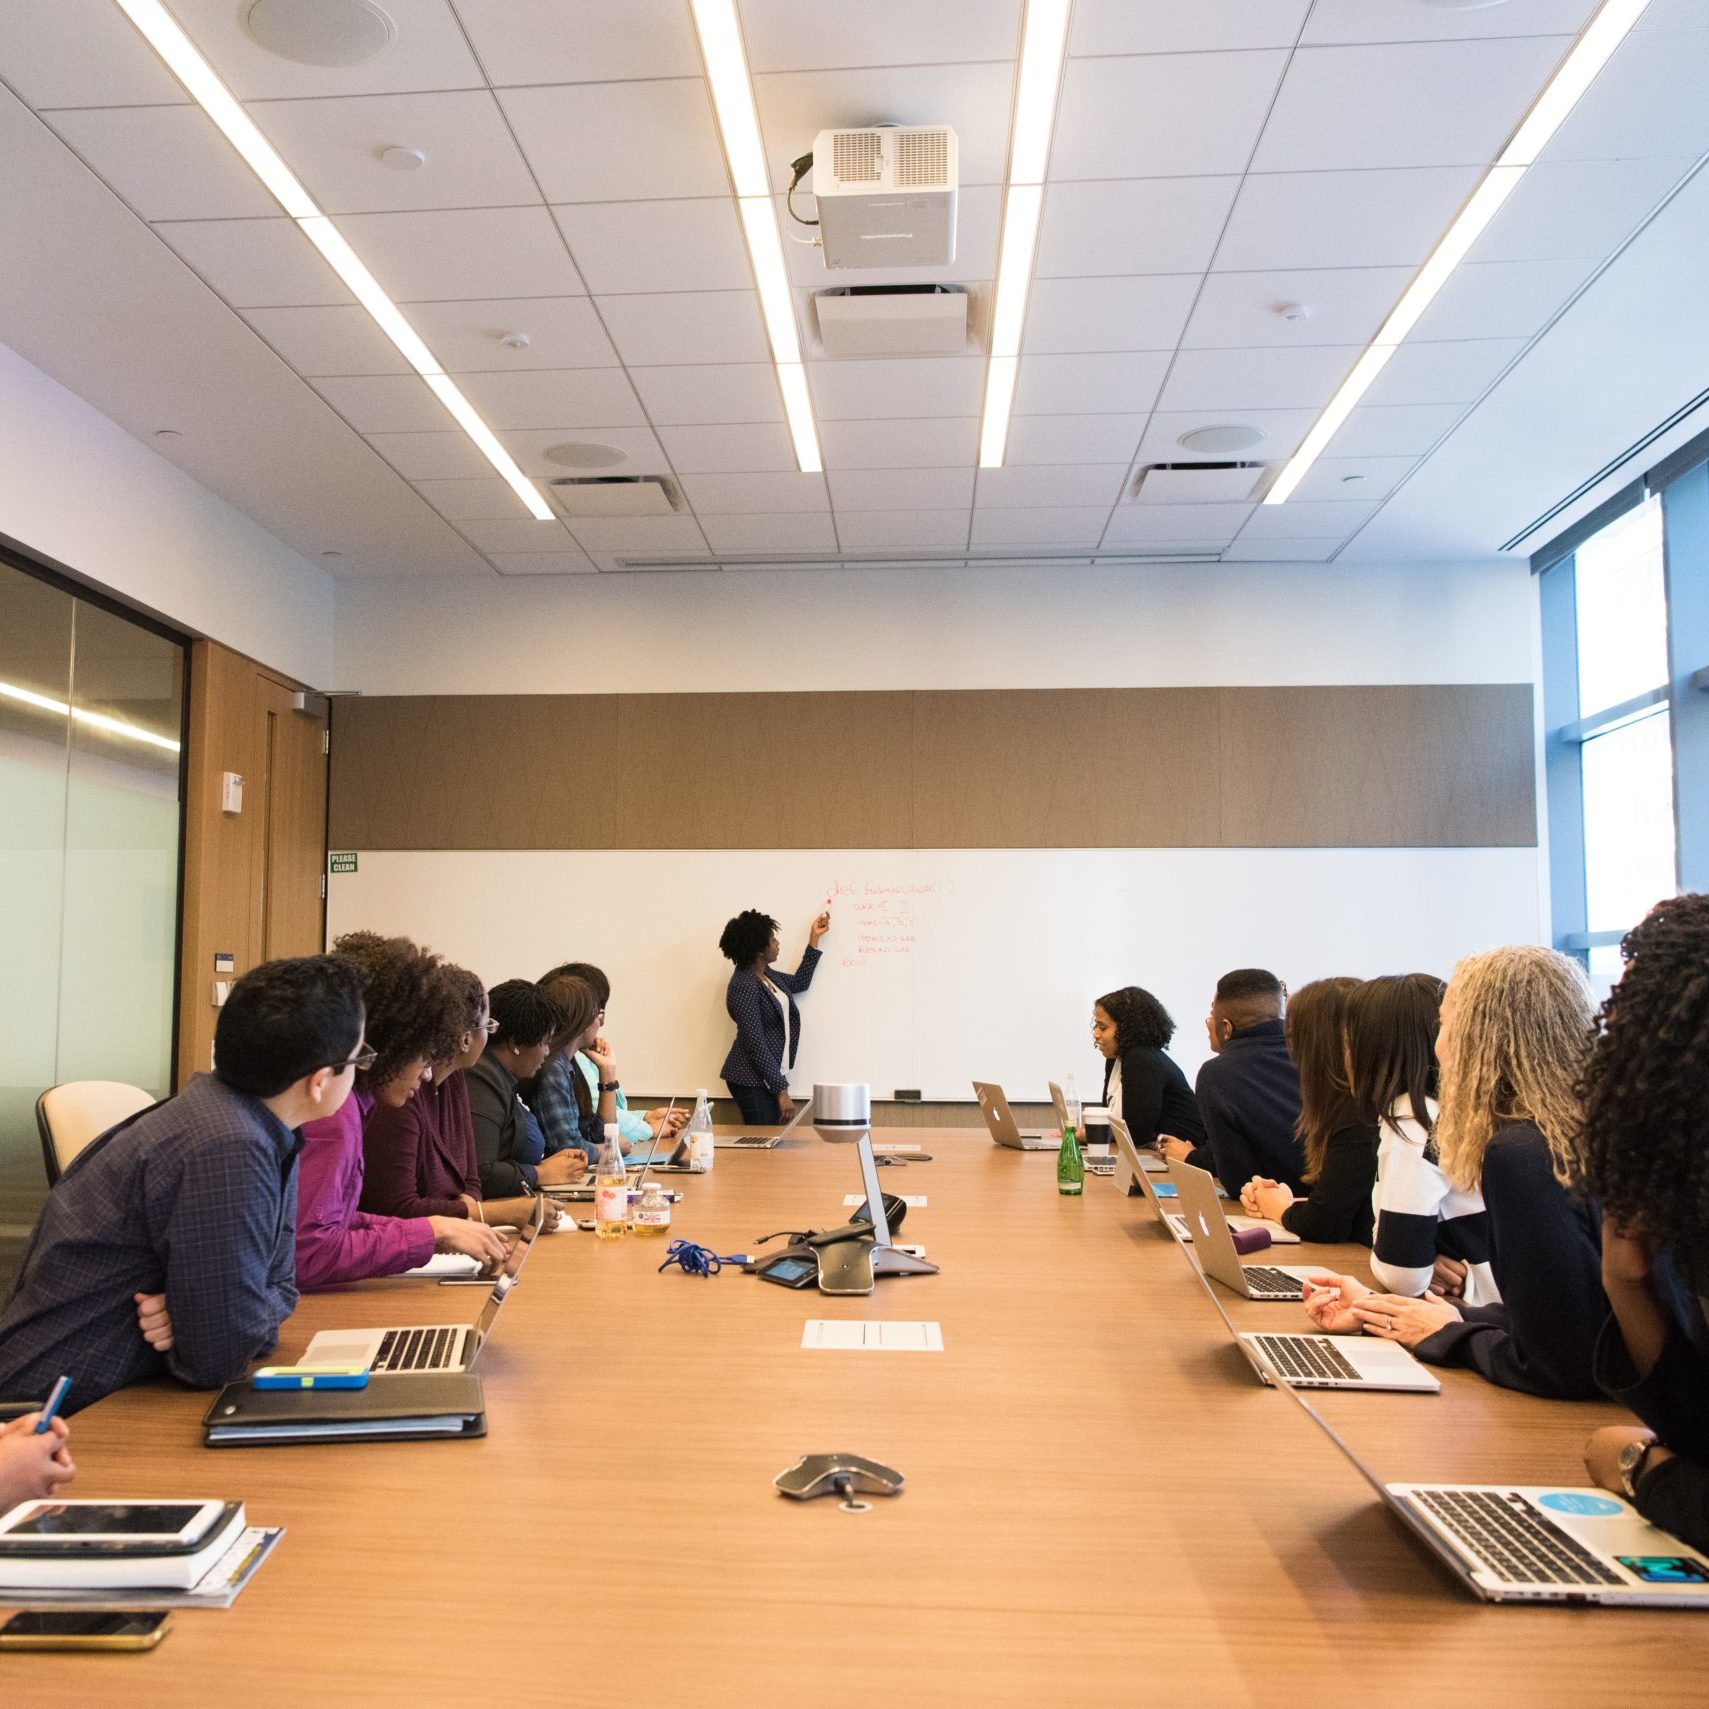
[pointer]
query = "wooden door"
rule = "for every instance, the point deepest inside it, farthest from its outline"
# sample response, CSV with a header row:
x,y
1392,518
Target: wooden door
x,y
293,911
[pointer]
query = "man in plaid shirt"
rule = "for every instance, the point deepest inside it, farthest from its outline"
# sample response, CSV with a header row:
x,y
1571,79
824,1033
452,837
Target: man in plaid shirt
x,y
168,1247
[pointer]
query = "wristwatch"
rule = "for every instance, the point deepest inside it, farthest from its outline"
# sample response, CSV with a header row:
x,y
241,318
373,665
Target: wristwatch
x,y
608,1085
1631,1464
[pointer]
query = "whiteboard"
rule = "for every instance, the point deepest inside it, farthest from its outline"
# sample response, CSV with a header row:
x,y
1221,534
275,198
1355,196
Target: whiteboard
x,y
942,966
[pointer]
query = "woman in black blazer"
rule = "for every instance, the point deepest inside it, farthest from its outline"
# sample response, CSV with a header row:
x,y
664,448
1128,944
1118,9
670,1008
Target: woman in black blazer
x,y
1141,1085
761,1001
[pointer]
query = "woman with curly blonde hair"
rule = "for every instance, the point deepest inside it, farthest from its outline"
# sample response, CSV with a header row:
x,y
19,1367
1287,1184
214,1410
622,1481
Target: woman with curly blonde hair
x,y
1515,1034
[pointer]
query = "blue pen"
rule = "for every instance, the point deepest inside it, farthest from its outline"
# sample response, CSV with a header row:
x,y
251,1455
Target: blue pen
x,y
54,1402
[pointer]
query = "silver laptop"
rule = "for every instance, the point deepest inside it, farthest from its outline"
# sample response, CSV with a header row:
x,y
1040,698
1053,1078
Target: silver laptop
x,y
994,1107
1213,1244
1334,1362
1183,1230
765,1141
433,1347
1541,1543
1134,1162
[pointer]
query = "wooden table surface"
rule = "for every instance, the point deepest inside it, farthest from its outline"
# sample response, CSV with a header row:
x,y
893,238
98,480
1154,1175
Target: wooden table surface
x,y
1103,1505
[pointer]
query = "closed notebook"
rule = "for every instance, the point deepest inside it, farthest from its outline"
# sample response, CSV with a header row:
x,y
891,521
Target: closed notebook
x,y
389,1409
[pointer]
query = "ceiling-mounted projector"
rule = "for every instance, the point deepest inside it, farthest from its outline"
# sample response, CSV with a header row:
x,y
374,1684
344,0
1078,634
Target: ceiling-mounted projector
x,y
886,195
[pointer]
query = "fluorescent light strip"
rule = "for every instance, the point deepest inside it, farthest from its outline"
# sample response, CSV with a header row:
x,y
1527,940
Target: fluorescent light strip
x,y
184,59
1044,40
97,720
738,123
1572,77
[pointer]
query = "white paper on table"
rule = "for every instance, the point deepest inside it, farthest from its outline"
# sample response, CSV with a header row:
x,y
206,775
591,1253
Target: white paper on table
x,y
445,1264
860,1335
910,1199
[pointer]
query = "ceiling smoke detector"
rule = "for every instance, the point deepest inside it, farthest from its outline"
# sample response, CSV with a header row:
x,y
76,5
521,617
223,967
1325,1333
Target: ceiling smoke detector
x,y
320,32
402,159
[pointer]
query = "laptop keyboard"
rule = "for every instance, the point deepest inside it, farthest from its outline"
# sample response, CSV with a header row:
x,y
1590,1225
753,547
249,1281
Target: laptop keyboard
x,y
1263,1282
1307,1358
416,1349
1507,1534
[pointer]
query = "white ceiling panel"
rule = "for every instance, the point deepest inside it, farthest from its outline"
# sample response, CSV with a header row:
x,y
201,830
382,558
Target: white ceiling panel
x,y
770,533
910,530
570,563
1576,209
1045,439
256,263
1162,116
977,210
488,500
1137,225
467,337
1056,484
629,534
1176,524
1442,373
1342,219
1121,26
580,41
1281,551
169,163
640,452
442,454
909,386
670,328
1394,430
334,146
785,35
81,53
702,395
1648,99
1336,21
1147,313
514,534
1500,299
1283,429
901,489
1235,380
736,448
428,53
1088,385
612,142
1344,480
755,495
1297,520
400,404
1343,305
657,246
1073,527
556,397
328,340
471,252
1391,105
973,100
932,442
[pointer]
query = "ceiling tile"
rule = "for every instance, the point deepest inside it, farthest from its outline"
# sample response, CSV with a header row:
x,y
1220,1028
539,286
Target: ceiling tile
x,y
752,495
256,263
641,452
1119,26
1297,520
770,533
472,252
897,386
1648,99
912,530
1336,21
657,246
976,226
736,448
1442,373
1281,551
556,397
1136,225
1082,526
1146,313
1421,104
1197,525
784,35
704,395
1341,219
1576,209
82,53
1044,439
488,500
901,489
1355,479
619,142
631,534
1283,429
443,454
1394,430
571,563
400,404
677,327
1343,305
1162,116
328,340
562,332
1235,380
932,442
514,534
1050,484
973,100
1086,385
169,163
1500,299
334,146
581,41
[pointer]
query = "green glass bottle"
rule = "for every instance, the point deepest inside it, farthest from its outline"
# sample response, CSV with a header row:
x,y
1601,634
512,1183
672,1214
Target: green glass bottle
x,y
1070,1170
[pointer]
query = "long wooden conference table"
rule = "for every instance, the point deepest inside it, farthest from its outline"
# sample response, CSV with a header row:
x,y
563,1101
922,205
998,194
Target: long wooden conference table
x,y
1103,1504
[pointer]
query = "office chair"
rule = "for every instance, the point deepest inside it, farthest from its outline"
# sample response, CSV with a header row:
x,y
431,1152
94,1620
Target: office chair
x,y
68,1117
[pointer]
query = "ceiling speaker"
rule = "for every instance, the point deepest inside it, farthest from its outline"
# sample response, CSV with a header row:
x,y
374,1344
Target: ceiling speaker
x,y
1233,437
320,32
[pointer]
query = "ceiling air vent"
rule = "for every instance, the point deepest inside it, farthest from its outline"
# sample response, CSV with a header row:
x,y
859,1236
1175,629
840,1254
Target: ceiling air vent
x,y
613,495
1198,483
893,320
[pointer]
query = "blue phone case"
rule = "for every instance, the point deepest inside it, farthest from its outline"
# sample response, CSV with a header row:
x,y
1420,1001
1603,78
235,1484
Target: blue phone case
x,y
311,1380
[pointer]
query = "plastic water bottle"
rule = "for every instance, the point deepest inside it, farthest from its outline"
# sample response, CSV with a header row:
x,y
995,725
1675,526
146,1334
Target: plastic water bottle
x,y
651,1215
697,1136
1070,1168
611,1189
1071,1102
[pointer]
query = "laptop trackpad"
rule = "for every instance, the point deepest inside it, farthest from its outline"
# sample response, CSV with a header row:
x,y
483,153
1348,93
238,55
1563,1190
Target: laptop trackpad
x,y
336,1349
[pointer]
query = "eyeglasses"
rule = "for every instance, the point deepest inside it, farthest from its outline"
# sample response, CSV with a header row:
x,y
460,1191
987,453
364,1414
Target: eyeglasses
x,y
490,1028
362,1061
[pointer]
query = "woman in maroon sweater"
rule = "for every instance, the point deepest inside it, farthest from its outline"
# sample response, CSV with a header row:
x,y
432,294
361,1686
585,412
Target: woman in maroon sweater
x,y
420,1157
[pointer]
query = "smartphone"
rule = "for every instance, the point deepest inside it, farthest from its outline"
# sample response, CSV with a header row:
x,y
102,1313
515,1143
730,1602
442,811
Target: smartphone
x,y
794,1272
70,1631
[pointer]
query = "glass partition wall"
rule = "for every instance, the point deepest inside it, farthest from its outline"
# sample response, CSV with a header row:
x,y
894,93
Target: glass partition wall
x,y
91,731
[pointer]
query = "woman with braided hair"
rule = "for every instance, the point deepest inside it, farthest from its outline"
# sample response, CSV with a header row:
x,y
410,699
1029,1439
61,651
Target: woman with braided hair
x,y
1644,1153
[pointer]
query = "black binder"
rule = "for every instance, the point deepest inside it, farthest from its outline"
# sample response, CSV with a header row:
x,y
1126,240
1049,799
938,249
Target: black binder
x,y
389,1409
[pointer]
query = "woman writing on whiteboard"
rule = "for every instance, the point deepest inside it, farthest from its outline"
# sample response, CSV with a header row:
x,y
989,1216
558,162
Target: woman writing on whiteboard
x,y
761,1001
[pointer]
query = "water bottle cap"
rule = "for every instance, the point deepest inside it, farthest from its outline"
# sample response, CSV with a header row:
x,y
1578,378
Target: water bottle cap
x,y
612,1130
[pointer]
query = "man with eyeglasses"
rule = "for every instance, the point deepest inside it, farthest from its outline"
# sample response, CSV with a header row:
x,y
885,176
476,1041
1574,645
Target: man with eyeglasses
x,y
168,1246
